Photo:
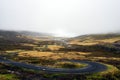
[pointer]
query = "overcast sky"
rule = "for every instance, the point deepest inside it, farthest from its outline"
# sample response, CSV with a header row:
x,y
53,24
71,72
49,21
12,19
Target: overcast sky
x,y
62,17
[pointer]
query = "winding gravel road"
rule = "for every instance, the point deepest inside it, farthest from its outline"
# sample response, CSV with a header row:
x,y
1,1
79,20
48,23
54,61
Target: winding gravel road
x,y
91,68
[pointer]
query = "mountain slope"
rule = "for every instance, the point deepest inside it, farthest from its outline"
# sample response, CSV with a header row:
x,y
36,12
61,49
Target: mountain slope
x,y
95,39
99,36
21,36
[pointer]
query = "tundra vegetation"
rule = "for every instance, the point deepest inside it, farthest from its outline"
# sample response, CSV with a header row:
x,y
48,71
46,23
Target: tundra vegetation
x,y
46,51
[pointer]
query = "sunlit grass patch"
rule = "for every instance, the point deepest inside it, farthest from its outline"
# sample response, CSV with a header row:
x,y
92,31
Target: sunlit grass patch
x,y
54,47
110,70
34,53
112,73
111,40
13,51
54,55
26,44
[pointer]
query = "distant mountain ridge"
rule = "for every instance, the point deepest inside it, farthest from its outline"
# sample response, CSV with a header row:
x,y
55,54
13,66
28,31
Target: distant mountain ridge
x,y
98,36
23,33
35,34
21,36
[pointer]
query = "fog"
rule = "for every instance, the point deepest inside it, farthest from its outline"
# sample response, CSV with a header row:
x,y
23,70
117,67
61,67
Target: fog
x,y
61,17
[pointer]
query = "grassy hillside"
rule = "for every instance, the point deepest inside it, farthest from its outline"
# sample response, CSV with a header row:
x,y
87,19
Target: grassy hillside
x,y
99,36
14,35
20,40
95,39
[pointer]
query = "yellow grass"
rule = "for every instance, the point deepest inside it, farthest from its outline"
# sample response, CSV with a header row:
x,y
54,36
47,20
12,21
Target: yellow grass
x,y
13,51
110,70
90,43
54,47
93,42
111,40
35,54
25,44
67,64
68,55
86,42
55,56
